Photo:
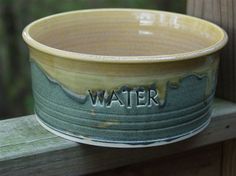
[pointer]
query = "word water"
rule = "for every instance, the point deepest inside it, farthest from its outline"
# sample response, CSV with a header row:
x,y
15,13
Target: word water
x,y
137,97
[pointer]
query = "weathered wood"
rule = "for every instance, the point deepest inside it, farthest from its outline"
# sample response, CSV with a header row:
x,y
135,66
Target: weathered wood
x,y
222,13
229,158
27,149
205,161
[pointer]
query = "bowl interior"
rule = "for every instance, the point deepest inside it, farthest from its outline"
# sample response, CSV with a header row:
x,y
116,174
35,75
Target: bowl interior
x,y
125,33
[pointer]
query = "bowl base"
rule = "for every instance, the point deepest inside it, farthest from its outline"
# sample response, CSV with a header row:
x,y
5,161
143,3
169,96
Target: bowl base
x,y
122,144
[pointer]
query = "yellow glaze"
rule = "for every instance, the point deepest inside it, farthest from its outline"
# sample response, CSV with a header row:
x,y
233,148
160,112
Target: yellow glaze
x,y
105,49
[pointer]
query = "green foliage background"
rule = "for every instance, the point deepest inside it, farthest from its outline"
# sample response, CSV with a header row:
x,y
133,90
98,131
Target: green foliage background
x,y
15,83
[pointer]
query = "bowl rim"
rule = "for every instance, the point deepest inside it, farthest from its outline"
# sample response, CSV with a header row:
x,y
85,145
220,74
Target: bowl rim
x,y
124,59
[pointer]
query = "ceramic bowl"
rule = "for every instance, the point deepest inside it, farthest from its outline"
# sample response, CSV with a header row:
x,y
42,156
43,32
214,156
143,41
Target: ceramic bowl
x,y
123,77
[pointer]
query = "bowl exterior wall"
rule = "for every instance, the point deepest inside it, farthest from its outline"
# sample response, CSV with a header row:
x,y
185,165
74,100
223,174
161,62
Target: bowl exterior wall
x,y
123,104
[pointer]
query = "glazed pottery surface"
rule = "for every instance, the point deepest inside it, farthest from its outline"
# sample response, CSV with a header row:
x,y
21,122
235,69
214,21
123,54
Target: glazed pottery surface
x,y
124,77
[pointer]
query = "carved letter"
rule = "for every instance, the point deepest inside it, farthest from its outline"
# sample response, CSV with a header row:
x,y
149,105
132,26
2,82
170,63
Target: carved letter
x,y
128,90
97,95
114,97
140,97
152,95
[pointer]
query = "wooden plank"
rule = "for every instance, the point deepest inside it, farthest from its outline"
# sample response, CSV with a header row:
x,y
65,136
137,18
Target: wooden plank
x,y
190,7
207,10
229,158
221,12
205,161
216,12
27,149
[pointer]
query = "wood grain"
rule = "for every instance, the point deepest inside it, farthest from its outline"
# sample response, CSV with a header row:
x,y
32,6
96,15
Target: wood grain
x,y
229,158
222,13
28,149
205,161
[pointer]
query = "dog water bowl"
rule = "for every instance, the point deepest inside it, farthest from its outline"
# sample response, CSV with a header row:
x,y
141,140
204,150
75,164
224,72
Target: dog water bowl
x,y
124,77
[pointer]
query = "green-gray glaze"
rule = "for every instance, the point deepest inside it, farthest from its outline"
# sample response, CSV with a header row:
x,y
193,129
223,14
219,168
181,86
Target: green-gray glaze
x,y
185,109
